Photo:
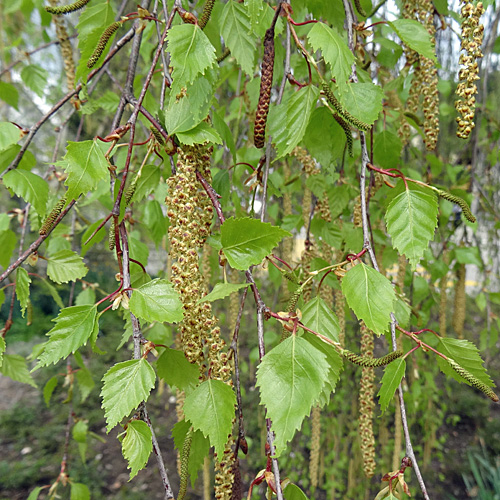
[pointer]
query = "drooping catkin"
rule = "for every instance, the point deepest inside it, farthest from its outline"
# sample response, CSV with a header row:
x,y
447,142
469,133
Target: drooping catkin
x,y
205,15
315,446
340,312
101,44
366,404
207,487
266,82
65,9
474,381
472,39
460,202
186,450
459,303
51,218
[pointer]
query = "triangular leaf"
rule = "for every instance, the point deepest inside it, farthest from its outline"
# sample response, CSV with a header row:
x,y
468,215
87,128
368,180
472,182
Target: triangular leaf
x,y
246,241
411,221
137,445
370,295
30,187
74,326
290,377
173,367
363,101
14,367
157,301
317,316
222,290
466,354
393,374
210,408
48,389
415,35
23,288
64,266
126,385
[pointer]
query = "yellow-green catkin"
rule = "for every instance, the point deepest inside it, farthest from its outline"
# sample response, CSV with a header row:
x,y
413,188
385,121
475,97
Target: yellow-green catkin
x,y
207,487
366,405
340,312
315,446
472,39
459,303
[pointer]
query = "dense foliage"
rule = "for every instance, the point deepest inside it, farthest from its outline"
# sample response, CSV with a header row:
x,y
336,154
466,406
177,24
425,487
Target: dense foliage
x,y
267,212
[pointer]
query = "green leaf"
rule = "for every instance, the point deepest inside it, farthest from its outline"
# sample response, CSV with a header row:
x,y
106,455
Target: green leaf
x,y
83,377
34,494
157,301
254,8
23,288
246,241
210,408
363,101
199,449
137,445
411,221
74,326
48,389
222,290
393,374
291,378
79,491
235,24
293,492
35,78
415,35
202,133
30,187
126,385
14,367
173,367
334,49
387,149
370,295
53,292
147,183
155,220
2,349
86,167
80,433
468,255
191,53
8,242
10,95
317,316
466,354
64,266
289,120
9,134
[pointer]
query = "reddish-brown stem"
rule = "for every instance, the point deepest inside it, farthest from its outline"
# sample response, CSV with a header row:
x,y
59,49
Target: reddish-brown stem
x,y
282,261
301,24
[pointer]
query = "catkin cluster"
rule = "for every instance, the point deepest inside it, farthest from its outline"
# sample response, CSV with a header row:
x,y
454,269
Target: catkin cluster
x,y
459,303
472,39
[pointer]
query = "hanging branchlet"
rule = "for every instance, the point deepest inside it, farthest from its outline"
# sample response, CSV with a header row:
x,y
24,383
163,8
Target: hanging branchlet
x,y
474,381
101,44
205,15
373,362
472,39
334,102
266,82
460,202
51,218
66,9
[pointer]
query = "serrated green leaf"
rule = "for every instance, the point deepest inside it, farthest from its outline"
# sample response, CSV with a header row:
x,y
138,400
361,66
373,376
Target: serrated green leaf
x,y
74,326
9,135
23,288
393,374
35,78
86,167
80,432
10,95
85,381
363,101
466,354
370,295
30,187
52,292
335,50
48,389
387,149
210,408
85,297
65,266
200,446
79,491
317,316
191,53
137,445
173,367
411,220
202,133
291,378
246,241
155,221
234,24
293,492
8,241
34,494
147,183
222,290
254,8
289,120
126,385
415,35
157,301
14,367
